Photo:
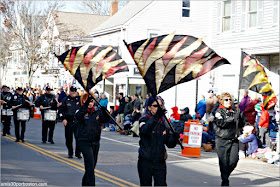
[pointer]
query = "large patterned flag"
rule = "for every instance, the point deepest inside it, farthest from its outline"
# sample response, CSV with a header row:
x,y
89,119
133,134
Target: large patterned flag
x,y
168,60
253,77
90,64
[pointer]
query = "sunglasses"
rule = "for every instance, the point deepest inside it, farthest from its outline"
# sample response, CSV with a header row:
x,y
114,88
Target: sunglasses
x,y
155,105
227,100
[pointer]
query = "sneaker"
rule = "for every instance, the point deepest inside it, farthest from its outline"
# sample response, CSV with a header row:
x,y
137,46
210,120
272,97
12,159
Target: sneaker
x,y
70,156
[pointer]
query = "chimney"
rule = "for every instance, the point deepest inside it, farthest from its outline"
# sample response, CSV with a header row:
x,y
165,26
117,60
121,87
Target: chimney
x,y
114,7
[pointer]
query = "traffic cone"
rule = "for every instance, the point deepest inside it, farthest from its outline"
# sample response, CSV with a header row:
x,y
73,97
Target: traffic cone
x,y
192,139
37,113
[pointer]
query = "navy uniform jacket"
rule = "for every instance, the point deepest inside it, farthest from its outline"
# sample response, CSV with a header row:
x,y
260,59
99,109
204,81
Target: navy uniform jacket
x,y
69,107
154,135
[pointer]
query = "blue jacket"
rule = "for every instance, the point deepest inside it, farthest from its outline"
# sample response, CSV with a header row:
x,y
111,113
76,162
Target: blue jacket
x,y
201,107
104,102
252,143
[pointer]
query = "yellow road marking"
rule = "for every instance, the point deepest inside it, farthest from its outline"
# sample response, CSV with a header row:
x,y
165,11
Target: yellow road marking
x,y
68,161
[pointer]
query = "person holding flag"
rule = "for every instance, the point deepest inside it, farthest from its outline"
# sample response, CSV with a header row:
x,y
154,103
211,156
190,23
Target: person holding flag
x,y
154,135
226,134
88,135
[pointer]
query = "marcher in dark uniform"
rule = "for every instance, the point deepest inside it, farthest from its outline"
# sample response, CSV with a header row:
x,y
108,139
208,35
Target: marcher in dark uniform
x,y
154,135
46,102
88,135
67,110
6,96
19,101
226,136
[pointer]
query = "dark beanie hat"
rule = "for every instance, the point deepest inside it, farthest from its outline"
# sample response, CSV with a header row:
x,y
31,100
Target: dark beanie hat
x,y
150,101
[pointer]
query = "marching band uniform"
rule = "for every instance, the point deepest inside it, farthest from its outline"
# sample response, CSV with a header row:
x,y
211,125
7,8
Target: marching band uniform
x,y
6,120
67,110
47,100
225,138
88,136
19,99
154,135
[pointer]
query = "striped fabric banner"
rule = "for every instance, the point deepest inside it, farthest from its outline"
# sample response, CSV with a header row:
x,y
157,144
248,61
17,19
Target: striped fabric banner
x,y
90,64
168,60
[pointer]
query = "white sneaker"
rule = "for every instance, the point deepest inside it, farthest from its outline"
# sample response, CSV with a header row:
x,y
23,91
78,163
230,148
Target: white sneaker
x,y
106,129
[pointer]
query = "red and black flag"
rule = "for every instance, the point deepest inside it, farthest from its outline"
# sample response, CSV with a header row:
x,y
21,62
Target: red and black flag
x,y
168,60
90,64
253,77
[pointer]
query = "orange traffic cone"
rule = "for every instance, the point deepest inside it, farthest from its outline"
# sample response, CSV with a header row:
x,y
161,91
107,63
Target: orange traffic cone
x,y
37,113
192,139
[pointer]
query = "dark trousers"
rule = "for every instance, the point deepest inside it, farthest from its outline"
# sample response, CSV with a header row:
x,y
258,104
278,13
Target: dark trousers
x,y
227,151
148,169
23,124
243,146
45,126
90,154
6,124
69,132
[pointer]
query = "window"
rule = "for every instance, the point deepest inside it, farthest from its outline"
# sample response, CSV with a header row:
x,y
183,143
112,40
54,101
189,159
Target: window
x,y
226,15
252,13
185,8
152,35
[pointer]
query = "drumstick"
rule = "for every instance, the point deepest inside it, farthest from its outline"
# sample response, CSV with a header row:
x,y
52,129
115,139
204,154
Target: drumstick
x,y
29,102
46,107
17,106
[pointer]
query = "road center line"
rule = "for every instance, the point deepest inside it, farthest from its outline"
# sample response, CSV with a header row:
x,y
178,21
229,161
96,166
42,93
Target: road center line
x,y
68,161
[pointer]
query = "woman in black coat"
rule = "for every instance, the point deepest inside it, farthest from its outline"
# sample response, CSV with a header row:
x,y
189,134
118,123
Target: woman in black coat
x,y
226,134
89,121
154,136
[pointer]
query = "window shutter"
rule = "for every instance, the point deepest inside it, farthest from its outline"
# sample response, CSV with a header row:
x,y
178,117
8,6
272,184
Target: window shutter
x,y
219,17
233,10
275,12
243,16
260,14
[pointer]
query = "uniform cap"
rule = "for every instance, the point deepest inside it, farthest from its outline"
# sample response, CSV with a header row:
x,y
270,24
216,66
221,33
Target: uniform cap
x,y
73,89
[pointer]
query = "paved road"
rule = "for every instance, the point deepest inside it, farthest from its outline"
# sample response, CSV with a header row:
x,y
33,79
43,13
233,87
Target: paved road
x,y
117,163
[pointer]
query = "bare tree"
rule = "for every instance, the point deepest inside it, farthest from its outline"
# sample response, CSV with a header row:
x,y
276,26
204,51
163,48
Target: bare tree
x,y
100,7
24,22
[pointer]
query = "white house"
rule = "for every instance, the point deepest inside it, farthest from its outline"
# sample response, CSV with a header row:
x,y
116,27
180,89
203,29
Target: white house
x,y
225,26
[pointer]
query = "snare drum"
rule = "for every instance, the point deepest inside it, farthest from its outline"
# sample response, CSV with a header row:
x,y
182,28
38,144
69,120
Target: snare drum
x,y
4,112
10,112
50,115
22,114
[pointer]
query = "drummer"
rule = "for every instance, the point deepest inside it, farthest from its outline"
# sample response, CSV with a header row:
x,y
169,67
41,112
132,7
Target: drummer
x,y
19,101
47,102
6,96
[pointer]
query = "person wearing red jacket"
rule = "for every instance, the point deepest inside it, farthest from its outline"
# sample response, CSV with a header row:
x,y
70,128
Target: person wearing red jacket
x,y
263,126
175,115
250,111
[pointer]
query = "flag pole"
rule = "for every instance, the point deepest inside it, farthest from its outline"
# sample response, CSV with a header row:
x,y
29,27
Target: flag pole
x,y
106,111
238,94
169,124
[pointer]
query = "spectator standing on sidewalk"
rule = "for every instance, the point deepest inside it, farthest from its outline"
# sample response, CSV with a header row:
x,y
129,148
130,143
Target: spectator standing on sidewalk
x,y
120,110
244,102
210,102
226,136
264,127
201,107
